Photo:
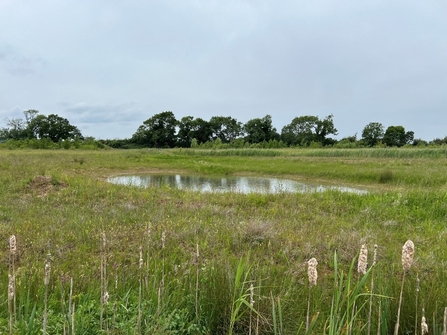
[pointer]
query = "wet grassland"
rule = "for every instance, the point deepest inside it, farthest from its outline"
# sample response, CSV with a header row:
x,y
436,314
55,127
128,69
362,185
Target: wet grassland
x,y
93,257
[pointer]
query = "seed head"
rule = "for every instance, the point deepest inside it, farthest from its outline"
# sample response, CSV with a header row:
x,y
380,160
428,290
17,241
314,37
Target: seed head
x,y
104,240
47,269
252,293
312,271
196,256
12,244
149,228
375,254
141,257
444,330
11,287
363,260
407,255
163,239
424,326
106,298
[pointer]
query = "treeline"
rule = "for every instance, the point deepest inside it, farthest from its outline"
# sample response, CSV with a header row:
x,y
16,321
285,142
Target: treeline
x,y
38,126
164,130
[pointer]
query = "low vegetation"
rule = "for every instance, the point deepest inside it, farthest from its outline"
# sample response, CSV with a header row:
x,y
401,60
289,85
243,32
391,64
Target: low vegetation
x,y
84,256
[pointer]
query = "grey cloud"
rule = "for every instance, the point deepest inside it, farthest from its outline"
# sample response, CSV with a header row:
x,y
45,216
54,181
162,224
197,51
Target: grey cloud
x,y
100,113
361,61
19,65
8,114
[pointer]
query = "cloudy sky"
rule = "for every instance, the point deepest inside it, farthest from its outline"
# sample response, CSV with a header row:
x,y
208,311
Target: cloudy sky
x,y
108,65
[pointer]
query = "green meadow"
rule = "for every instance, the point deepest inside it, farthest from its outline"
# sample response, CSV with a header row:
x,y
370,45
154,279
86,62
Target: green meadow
x,y
96,258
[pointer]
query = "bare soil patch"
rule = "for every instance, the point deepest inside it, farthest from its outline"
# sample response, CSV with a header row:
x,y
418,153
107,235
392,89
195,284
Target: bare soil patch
x,y
44,185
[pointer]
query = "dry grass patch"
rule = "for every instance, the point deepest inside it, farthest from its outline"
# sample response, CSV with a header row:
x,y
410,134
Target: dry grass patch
x,y
257,232
44,185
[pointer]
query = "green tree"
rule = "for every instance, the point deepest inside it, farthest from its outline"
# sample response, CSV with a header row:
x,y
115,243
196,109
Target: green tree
x,y
438,141
259,130
15,130
53,127
30,114
190,128
159,131
300,131
372,133
184,136
324,128
395,136
4,134
201,130
18,128
304,130
39,126
225,128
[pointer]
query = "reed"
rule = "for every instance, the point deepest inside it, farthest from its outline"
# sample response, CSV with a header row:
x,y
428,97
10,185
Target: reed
x,y
11,281
11,294
104,293
252,304
105,302
312,274
362,264
407,262
417,306
71,308
46,282
444,324
196,263
372,291
148,248
347,302
278,322
161,288
240,301
140,289
424,326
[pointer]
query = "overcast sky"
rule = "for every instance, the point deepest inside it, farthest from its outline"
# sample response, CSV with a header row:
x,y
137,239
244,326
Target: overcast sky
x,y
109,65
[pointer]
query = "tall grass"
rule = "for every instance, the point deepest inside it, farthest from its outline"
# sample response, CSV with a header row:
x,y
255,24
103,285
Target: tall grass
x,y
407,152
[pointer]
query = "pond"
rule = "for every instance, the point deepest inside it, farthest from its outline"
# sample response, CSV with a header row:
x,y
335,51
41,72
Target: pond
x,y
226,184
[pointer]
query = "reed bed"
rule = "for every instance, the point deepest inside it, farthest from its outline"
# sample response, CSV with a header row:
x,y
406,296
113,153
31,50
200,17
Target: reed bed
x,y
166,261
407,152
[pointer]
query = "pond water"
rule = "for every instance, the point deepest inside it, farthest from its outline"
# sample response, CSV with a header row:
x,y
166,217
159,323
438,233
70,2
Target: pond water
x,y
226,184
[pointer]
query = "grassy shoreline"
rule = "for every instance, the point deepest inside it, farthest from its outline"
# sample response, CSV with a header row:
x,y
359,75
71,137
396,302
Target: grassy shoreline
x,y
67,213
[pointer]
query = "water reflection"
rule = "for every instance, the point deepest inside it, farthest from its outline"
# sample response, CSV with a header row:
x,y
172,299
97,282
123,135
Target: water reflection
x,y
226,184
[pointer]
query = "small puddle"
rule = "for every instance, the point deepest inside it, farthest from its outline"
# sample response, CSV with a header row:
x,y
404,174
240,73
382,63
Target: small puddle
x,y
235,184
